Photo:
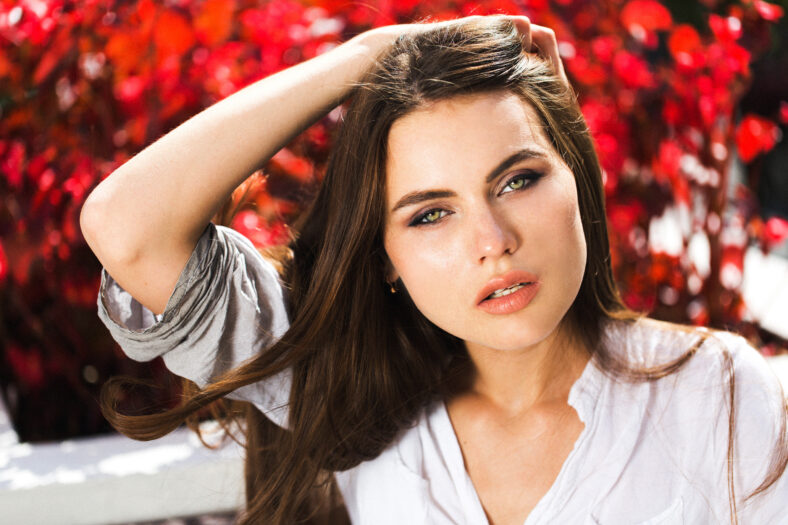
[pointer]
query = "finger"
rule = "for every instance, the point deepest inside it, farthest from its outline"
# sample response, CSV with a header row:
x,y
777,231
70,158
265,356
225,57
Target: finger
x,y
524,27
544,38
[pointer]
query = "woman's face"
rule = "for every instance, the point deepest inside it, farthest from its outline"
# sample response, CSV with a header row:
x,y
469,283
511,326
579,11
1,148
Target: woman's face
x,y
479,203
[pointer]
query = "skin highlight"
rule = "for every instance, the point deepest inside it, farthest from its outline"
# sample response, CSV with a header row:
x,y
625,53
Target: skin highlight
x,y
365,362
513,422
486,229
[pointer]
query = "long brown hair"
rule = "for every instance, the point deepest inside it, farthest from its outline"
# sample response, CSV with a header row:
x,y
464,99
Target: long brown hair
x,y
364,361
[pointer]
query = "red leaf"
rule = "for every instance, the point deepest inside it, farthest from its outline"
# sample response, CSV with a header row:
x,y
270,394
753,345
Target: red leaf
x,y
671,112
775,231
755,135
77,184
604,47
646,14
46,180
632,70
681,190
292,165
130,89
698,313
137,129
249,224
214,23
623,217
586,71
708,110
770,12
11,165
726,29
124,51
173,34
670,154
3,264
684,41
27,365
55,54
737,59
731,266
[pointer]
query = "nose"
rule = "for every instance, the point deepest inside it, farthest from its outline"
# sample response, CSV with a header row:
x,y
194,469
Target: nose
x,y
493,236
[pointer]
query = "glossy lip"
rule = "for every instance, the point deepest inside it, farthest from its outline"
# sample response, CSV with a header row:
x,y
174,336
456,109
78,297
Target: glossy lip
x,y
506,280
514,302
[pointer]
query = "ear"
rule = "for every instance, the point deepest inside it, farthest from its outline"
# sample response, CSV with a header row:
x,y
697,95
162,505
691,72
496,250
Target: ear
x,y
390,271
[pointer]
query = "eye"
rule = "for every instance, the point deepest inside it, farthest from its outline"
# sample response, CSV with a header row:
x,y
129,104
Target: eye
x,y
429,217
520,181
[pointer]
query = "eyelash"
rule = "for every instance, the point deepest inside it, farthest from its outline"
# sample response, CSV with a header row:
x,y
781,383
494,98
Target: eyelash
x,y
528,177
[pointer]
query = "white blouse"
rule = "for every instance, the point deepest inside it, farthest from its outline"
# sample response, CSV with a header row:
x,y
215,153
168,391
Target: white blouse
x,y
650,453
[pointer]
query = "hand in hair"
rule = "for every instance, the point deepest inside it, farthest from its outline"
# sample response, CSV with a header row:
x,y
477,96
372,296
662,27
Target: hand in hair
x,y
536,39
542,41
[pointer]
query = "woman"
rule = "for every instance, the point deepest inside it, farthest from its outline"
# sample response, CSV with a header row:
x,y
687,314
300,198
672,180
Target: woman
x,y
446,339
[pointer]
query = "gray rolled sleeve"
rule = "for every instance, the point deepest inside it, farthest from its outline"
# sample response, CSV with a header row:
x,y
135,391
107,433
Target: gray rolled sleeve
x,y
227,306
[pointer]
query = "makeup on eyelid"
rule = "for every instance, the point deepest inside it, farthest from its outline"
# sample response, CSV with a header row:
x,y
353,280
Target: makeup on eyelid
x,y
528,177
484,227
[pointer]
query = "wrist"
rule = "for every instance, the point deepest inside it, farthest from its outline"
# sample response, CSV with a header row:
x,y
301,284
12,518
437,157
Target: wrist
x,y
360,53
375,40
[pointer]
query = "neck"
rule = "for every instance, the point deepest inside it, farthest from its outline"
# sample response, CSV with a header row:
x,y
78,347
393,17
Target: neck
x,y
519,380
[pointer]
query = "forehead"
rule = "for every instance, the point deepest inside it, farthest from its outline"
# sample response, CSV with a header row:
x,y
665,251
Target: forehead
x,y
469,133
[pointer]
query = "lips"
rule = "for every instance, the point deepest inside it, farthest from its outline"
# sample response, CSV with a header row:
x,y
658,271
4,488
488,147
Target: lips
x,y
505,284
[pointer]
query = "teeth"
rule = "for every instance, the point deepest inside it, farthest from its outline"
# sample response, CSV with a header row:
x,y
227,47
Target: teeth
x,y
506,291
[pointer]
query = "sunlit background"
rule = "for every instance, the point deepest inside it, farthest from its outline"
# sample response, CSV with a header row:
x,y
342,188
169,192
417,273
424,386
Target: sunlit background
x,y
687,103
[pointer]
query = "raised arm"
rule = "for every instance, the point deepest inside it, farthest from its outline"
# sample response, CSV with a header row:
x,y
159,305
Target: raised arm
x,y
143,221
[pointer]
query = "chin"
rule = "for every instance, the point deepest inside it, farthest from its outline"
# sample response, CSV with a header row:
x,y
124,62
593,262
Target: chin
x,y
517,338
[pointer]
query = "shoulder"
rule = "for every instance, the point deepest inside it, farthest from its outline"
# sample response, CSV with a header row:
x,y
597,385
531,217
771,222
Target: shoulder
x,y
648,343
714,370
754,424
724,395
750,387
722,356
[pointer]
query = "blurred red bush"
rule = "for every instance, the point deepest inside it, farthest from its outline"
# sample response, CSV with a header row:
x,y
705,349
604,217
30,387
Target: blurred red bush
x,y
85,85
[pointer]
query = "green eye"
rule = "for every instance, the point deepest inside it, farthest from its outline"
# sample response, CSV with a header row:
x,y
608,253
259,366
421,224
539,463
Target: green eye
x,y
429,217
516,184
432,216
521,181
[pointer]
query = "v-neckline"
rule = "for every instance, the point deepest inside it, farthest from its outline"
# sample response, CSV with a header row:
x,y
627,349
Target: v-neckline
x,y
582,397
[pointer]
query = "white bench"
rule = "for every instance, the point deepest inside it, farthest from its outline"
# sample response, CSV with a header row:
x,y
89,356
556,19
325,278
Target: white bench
x,y
113,479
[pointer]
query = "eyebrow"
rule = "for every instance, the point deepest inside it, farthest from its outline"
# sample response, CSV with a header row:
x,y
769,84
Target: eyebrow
x,y
416,197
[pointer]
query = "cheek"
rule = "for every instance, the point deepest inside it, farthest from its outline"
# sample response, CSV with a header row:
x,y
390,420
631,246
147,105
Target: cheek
x,y
560,228
426,264
572,226
415,256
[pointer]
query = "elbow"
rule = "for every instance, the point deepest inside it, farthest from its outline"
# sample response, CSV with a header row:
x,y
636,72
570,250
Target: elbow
x,y
91,217
88,220
99,233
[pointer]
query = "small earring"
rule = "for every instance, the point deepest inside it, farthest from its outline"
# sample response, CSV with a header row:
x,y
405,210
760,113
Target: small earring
x,y
391,287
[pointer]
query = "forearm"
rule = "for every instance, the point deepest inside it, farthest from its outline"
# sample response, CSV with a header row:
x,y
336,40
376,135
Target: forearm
x,y
168,192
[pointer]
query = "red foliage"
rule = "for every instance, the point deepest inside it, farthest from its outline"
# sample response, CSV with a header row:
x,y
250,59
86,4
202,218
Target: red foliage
x,y
755,135
770,12
685,46
83,87
3,264
725,28
643,18
258,231
775,231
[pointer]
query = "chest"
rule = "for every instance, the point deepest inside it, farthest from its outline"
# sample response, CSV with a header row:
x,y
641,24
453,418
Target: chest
x,y
513,461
